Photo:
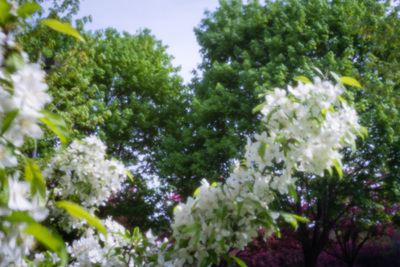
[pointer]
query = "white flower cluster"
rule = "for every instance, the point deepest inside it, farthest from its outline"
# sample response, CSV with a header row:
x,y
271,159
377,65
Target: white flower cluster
x,y
220,217
91,248
22,96
14,243
82,174
20,105
94,250
305,130
120,248
45,259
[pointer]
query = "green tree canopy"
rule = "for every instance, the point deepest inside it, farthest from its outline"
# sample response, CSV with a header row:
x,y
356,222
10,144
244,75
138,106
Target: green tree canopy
x,y
251,48
121,87
144,102
140,91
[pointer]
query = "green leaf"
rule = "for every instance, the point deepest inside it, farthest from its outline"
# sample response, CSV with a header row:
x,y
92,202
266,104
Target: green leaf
x,y
364,130
335,76
338,166
212,237
289,219
278,233
9,117
326,110
258,108
51,242
35,177
249,185
196,238
28,9
239,206
318,71
221,213
193,228
257,204
222,243
214,184
224,212
176,208
261,149
80,213
300,219
196,192
205,262
350,81
56,124
281,139
293,192
353,145
14,62
330,171
341,99
136,232
29,263
228,259
270,114
265,220
357,132
238,261
302,79
129,174
3,179
164,246
5,9
63,28
20,216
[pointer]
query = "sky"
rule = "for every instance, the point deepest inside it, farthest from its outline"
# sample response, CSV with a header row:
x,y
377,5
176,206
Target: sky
x,y
171,21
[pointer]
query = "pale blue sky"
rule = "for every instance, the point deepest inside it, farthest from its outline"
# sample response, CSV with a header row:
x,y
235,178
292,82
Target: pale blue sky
x,y
171,21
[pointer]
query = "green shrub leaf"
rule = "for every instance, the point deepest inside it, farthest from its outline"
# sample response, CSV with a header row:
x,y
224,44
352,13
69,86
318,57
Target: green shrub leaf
x,y
80,213
350,81
63,28
53,243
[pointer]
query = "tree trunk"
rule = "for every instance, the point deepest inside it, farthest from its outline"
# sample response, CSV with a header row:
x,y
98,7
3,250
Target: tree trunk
x,y
312,247
310,257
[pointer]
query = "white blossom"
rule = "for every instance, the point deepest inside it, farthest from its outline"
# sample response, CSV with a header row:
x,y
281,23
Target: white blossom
x,y
303,133
82,173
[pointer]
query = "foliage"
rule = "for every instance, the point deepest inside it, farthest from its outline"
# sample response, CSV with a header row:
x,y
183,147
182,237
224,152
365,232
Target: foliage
x,y
140,91
67,65
136,205
248,49
23,96
294,166
307,126
358,226
286,251
143,101
122,88
219,217
273,250
251,48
